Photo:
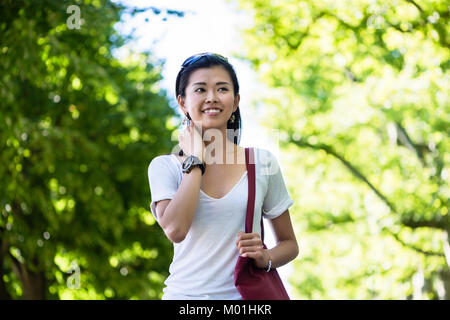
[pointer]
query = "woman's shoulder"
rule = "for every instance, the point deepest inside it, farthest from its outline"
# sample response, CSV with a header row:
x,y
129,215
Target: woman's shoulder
x,y
263,156
163,161
266,162
259,151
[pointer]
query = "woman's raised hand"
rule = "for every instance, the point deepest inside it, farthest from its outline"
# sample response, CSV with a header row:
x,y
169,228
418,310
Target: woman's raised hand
x,y
191,141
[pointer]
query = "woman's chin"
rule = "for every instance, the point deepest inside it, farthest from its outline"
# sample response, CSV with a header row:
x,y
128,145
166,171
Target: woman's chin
x,y
212,124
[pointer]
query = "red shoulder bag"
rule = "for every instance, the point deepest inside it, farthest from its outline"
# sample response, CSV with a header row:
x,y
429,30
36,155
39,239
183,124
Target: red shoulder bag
x,y
255,283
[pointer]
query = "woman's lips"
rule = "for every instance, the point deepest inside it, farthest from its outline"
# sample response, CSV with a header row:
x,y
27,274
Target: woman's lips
x,y
212,112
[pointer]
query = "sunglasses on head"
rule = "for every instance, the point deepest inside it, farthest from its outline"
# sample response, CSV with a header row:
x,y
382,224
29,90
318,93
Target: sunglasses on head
x,y
196,57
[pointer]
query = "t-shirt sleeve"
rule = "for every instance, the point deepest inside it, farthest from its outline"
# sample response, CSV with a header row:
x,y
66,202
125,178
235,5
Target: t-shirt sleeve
x,y
163,181
277,199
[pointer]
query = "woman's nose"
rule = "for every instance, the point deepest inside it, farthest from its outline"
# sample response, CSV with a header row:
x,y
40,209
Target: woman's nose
x,y
211,96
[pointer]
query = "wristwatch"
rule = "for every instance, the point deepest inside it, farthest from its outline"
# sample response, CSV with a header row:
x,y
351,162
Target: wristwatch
x,y
191,162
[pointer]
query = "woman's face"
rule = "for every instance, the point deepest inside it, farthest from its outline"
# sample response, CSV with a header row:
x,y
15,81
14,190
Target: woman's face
x,y
209,88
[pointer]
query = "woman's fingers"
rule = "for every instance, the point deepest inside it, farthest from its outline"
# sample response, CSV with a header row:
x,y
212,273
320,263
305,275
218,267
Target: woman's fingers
x,y
185,140
257,255
249,243
191,141
246,236
250,249
251,246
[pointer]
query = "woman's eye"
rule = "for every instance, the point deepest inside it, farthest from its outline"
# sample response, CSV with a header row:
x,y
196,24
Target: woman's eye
x,y
202,90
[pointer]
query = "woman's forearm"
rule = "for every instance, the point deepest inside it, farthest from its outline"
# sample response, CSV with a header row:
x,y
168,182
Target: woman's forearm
x,y
284,252
179,214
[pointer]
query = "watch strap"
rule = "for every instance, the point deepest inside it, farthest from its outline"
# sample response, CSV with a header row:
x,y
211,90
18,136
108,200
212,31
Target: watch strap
x,y
194,163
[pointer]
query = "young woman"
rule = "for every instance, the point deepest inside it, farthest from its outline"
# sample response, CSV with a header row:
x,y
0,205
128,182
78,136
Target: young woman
x,y
199,196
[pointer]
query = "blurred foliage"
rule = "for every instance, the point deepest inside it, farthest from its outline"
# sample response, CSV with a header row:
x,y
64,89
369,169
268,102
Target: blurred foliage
x,y
359,93
78,128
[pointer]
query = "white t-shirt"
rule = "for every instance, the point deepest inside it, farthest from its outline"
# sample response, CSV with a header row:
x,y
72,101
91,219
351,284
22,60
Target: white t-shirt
x,y
203,263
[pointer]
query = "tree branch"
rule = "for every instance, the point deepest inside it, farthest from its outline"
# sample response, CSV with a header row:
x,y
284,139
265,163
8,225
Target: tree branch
x,y
441,222
437,224
405,140
353,169
411,246
403,137
416,5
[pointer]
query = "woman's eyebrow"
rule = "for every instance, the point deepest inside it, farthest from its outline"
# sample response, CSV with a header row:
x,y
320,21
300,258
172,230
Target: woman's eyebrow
x,y
217,84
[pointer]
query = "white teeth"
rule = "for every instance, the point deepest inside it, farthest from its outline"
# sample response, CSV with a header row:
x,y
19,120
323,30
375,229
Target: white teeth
x,y
212,111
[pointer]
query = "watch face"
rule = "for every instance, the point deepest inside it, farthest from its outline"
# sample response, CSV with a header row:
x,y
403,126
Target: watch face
x,y
187,162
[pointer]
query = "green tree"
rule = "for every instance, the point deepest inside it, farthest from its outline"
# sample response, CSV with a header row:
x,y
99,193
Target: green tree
x,y
78,128
359,92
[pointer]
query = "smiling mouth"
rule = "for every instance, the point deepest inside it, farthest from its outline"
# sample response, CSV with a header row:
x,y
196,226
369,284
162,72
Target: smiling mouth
x,y
212,111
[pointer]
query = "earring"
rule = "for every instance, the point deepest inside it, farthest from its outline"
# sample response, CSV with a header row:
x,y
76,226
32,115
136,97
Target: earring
x,y
186,121
232,118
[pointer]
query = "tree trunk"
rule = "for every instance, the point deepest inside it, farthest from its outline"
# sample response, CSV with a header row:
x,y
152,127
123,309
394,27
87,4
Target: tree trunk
x,y
33,285
445,277
33,282
4,294
445,274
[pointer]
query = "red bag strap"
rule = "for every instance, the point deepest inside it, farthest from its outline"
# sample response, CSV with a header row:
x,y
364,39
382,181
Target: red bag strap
x,y
250,163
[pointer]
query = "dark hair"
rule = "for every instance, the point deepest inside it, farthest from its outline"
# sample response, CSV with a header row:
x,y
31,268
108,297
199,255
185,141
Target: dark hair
x,y
207,60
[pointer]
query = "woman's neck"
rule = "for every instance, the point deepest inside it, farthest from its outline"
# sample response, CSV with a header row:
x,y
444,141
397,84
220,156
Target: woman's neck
x,y
220,150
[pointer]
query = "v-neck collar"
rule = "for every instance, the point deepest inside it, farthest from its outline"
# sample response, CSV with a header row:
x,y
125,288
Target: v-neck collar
x,y
204,193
